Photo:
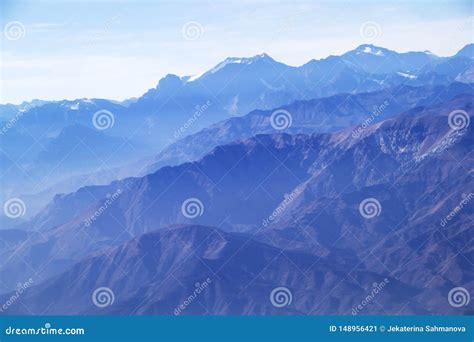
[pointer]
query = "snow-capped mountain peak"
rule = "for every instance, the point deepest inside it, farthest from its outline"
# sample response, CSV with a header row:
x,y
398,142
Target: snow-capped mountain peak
x,y
229,61
369,49
240,60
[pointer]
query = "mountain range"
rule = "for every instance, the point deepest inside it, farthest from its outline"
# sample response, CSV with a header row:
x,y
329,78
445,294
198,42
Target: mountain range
x,y
320,233
339,187
180,106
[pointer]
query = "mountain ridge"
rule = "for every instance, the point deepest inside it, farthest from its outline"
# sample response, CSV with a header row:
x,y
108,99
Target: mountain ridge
x,y
278,165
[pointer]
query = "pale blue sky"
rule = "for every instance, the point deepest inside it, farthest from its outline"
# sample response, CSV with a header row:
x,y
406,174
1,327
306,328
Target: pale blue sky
x,y
119,49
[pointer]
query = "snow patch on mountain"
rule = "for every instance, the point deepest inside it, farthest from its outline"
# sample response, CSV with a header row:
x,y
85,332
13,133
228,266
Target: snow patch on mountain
x,y
228,61
412,77
195,77
371,51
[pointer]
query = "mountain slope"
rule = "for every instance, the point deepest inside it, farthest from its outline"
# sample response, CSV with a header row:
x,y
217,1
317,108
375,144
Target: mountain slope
x,y
312,116
240,185
467,51
180,106
157,272
59,158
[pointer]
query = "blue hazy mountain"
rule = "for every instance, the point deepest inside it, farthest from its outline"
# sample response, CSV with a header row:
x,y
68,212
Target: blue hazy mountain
x,y
320,115
312,116
413,164
156,272
234,87
8,110
369,124
467,51
238,85
48,165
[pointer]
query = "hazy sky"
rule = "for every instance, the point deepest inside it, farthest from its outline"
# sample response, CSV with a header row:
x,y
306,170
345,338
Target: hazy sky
x,y
119,49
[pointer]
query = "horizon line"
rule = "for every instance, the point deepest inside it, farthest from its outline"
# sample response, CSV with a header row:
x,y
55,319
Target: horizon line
x,y
241,57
